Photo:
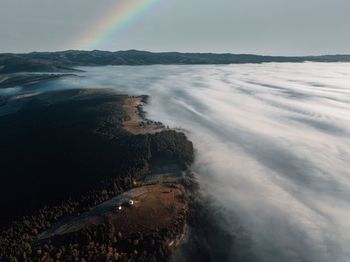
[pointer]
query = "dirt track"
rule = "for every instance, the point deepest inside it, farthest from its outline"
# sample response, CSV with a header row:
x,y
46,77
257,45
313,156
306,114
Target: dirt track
x,y
155,207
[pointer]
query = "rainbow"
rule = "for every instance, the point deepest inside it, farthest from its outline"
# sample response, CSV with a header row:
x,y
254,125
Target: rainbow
x,y
120,16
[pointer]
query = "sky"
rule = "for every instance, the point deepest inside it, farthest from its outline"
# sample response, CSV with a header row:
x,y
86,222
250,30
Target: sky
x,y
270,27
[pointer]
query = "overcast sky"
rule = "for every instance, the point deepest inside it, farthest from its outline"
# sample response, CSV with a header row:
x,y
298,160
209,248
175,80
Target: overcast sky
x,y
277,27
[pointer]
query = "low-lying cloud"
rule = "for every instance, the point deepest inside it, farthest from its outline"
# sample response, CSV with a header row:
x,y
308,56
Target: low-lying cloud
x,y
272,141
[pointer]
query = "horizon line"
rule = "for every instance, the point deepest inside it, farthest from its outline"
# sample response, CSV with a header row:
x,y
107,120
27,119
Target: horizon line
x,y
163,52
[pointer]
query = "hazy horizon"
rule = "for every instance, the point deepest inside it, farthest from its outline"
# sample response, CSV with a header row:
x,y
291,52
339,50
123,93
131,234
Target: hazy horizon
x,y
271,27
172,51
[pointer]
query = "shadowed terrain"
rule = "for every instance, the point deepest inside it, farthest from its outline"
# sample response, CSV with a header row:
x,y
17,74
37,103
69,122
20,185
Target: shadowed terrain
x,y
63,61
65,152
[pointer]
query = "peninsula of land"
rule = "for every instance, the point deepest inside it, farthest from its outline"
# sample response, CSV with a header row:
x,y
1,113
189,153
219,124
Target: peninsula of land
x,y
85,177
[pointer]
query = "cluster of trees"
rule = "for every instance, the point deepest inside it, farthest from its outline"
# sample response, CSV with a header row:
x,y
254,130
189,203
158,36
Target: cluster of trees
x,y
19,241
172,145
101,243
67,151
58,145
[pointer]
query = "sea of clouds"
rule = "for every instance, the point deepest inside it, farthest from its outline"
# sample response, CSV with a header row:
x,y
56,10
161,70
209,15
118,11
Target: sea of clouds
x,y
272,147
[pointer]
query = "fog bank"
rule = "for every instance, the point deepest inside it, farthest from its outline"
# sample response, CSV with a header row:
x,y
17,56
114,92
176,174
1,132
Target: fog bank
x,y
272,141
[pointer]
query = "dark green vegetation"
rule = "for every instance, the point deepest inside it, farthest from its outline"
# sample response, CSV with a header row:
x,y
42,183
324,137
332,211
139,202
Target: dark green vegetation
x,y
11,80
98,243
62,153
13,64
65,60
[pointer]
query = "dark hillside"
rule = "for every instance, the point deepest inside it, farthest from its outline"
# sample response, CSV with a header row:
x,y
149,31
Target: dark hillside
x,y
64,60
62,144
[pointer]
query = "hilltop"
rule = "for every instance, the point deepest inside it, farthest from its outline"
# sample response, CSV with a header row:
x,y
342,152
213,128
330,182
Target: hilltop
x,y
65,61
69,159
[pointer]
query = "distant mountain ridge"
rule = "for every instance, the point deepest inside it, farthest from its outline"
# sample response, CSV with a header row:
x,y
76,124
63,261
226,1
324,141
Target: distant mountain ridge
x,y
63,61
